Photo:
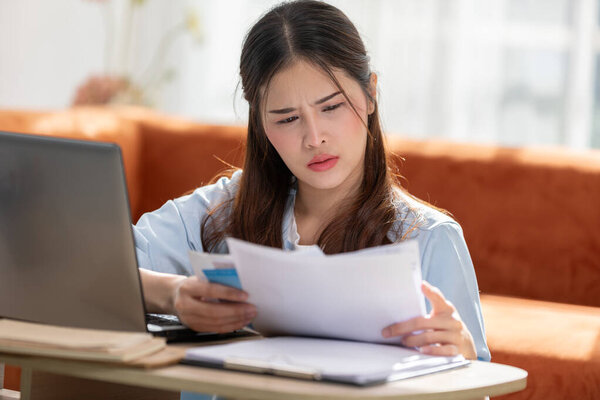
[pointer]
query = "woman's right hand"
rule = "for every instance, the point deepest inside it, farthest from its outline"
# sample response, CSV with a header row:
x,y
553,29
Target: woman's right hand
x,y
196,303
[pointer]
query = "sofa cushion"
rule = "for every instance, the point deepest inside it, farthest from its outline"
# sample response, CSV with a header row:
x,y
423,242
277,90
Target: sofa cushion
x,y
85,123
530,215
558,344
180,155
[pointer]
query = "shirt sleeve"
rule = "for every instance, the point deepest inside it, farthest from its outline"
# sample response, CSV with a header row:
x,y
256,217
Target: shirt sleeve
x,y
446,264
164,237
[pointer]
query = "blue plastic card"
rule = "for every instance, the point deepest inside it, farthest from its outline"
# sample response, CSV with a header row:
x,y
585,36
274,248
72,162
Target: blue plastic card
x,y
227,277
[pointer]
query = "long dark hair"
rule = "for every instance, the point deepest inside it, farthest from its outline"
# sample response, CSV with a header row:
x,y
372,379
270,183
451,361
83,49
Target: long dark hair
x,y
322,35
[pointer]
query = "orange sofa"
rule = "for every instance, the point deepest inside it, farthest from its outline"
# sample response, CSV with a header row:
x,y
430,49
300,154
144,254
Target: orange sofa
x,y
531,219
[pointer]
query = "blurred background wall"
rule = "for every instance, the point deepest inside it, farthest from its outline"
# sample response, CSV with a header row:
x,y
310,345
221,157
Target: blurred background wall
x,y
513,72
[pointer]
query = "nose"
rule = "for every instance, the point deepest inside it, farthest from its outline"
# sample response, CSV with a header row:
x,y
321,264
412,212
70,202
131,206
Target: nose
x,y
313,135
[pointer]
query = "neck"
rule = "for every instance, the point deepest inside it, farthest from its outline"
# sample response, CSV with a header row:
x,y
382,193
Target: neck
x,y
312,202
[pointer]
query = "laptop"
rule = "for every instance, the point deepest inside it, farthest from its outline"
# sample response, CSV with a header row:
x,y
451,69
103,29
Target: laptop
x,y
67,254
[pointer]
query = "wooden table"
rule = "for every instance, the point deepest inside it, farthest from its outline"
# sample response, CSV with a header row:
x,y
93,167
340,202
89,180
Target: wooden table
x,y
48,378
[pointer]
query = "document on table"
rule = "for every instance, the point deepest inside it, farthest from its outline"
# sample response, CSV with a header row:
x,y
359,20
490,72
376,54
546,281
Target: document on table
x,y
346,296
322,359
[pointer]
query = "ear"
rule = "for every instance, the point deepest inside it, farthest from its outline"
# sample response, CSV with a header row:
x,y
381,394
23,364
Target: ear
x,y
372,92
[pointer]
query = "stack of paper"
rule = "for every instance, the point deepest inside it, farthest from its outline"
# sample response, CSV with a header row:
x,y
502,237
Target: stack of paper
x,y
85,344
322,359
347,296
306,293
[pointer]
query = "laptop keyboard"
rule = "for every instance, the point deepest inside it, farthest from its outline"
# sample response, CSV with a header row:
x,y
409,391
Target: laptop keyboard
x,y
169,327
163,320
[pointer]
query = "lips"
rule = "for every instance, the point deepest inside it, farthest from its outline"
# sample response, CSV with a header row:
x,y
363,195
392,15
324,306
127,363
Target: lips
x,y
322,162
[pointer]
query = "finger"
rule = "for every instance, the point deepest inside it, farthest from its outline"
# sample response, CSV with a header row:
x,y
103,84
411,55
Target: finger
x,y
222,292
232,327
213,321
201,288
203,326
437,322
191,306
217,311
206,319
431,338
208,326
447,350
439,304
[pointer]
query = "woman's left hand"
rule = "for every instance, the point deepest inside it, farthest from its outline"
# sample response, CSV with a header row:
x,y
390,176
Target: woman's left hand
x,y
441,333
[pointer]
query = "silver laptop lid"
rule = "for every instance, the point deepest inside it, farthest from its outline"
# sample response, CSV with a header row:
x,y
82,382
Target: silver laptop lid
x,y
66,247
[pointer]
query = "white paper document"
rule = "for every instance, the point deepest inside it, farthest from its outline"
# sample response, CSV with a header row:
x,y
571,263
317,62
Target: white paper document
x,y
202,261
322,359
348,296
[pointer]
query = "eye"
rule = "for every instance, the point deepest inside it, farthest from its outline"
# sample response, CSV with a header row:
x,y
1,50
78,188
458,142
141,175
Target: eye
x,y
333,107
288,120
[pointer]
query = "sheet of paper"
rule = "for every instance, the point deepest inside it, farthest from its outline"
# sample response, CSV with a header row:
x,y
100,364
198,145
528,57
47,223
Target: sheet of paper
x,y
202,261
219,268
331,359
348,296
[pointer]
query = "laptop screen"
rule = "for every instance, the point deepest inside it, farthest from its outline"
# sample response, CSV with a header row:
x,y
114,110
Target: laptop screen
x,y
67,255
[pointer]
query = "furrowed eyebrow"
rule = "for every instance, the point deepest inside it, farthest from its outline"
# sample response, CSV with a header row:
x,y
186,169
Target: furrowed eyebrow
x,y
324,99
290,109
282,111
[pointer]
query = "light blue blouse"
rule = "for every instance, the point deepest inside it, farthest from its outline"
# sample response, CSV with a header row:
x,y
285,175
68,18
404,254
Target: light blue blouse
x,y
164,237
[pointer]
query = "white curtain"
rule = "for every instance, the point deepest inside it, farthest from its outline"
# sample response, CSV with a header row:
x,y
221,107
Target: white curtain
x,y
513,72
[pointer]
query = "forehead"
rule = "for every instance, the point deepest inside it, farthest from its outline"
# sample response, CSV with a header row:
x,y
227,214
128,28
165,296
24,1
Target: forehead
x,y
303,81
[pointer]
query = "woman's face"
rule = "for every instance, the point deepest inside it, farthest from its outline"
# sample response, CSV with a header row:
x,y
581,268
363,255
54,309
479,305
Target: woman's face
x,y
314,129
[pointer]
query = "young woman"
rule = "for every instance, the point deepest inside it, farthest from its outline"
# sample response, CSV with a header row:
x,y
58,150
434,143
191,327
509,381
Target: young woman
x,y
315,173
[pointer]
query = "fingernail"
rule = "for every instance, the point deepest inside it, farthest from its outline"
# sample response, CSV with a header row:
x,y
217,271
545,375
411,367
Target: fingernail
x,y
242,296
386,332
250,314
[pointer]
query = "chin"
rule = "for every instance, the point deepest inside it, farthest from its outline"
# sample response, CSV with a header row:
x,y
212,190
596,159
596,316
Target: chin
x,y
323,181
